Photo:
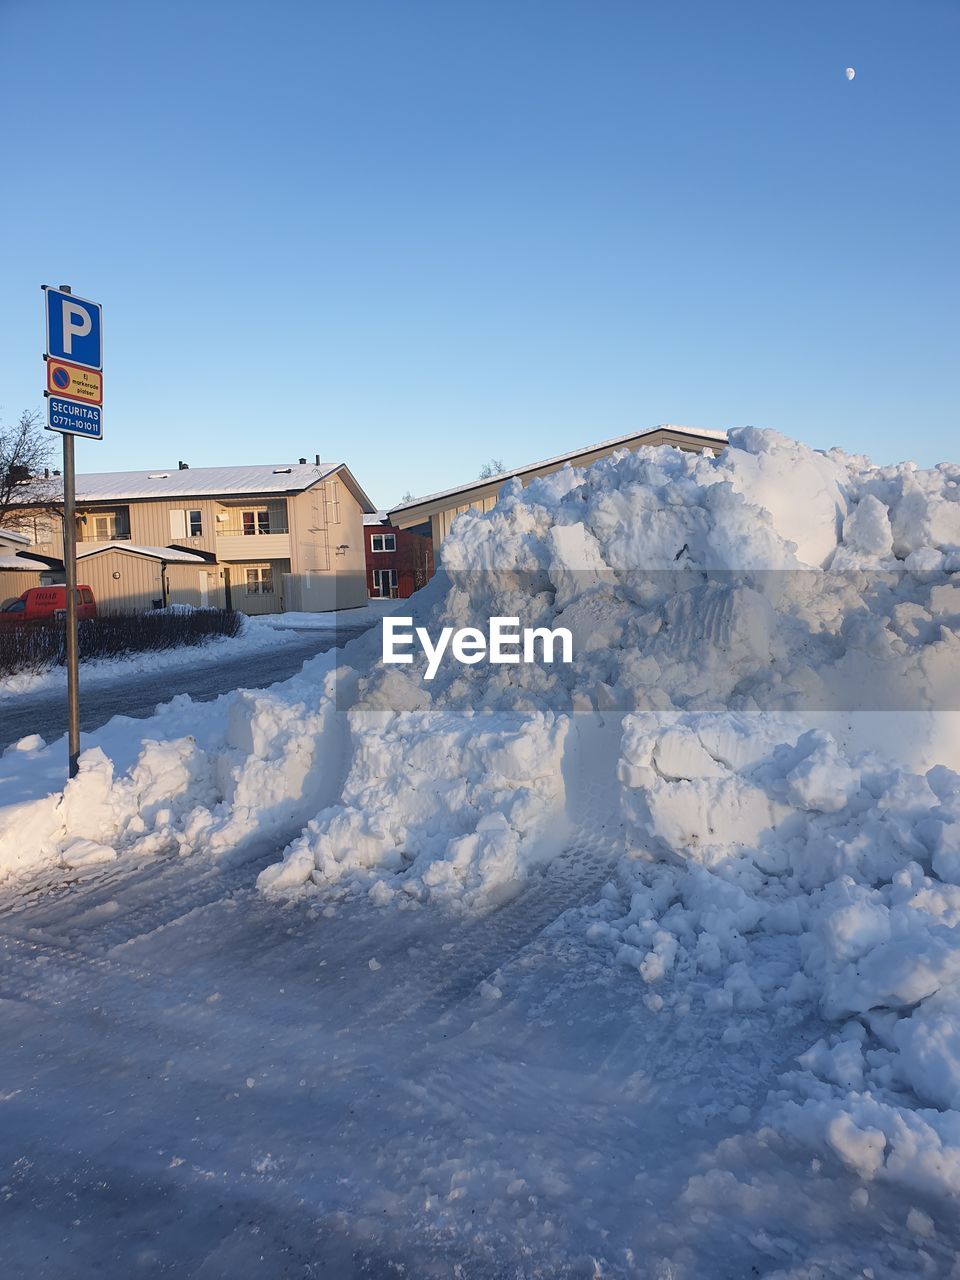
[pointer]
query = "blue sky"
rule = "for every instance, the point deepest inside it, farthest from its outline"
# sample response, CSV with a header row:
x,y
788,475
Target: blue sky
x,y
416,234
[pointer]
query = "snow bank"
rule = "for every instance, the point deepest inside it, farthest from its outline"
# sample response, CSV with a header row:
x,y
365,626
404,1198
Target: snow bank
x,y
761,720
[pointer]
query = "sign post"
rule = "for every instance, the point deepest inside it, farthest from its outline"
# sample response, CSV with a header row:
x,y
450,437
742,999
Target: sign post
x,y
74,394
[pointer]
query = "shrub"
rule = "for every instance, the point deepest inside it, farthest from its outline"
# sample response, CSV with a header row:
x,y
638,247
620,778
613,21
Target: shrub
x,y
39,646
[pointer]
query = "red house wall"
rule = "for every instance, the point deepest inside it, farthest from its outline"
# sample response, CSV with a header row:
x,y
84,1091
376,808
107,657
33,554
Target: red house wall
x,y
412,561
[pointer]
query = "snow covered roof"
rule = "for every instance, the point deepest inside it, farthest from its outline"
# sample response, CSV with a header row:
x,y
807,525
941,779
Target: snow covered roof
x,y
696,435
376,517
171,555
23,562
212,482
11,535
201,482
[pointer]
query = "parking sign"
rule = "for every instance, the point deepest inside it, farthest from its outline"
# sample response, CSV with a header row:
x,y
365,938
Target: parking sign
x,y
74,329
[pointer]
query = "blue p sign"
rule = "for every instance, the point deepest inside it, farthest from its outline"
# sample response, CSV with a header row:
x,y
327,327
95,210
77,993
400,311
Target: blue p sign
x,y
74,329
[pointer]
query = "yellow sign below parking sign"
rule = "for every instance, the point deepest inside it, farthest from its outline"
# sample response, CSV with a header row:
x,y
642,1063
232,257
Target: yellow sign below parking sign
x,y
74,382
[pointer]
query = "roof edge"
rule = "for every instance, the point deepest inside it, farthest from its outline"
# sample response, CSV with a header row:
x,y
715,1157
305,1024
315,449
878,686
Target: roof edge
x,y
707,437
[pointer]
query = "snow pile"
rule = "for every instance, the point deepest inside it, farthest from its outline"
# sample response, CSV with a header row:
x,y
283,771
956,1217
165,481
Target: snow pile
x,y
451,806
760,720
780,875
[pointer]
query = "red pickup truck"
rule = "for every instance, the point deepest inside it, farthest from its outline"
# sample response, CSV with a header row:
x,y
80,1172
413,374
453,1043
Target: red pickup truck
x,y
43,604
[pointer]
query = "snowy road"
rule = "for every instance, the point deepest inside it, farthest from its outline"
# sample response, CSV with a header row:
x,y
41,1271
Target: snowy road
x,y
137,694
197,1082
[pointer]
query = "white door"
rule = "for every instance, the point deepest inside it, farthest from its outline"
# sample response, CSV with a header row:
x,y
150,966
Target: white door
x,y
204,597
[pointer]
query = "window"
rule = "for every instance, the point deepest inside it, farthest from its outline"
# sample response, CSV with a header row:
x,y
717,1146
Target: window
x,y
260,580
255,522
385,583
86,595
186,524
383,542
107,526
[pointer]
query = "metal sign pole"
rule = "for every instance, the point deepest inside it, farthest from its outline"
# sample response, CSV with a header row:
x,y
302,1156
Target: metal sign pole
x,y
70,565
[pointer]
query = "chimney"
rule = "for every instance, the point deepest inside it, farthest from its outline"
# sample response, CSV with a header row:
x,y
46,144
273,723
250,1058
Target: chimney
x,y
46,473
302,461
183,466
318,460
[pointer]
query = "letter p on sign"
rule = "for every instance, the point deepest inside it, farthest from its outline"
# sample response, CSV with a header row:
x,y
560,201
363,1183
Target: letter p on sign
x,y
76,323
74,329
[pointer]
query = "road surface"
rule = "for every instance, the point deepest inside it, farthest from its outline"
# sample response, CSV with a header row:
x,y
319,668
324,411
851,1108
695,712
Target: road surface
x,y
138,694
197,1082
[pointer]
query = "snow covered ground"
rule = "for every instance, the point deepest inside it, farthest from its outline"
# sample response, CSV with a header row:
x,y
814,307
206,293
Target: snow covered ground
x,y
254,637
198,1083
644,966
366,615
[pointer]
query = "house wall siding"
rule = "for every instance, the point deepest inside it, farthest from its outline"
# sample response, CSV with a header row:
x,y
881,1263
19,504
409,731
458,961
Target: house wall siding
x,y
150,524
14,582
140,582
134,591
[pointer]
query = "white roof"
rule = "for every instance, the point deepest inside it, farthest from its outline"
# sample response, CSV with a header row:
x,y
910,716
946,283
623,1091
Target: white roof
x,y
376,517
24,562
561,458
201,482
170,554
10,535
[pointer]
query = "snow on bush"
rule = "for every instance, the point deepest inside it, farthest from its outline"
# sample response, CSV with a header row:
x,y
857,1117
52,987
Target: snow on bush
x,y
761,720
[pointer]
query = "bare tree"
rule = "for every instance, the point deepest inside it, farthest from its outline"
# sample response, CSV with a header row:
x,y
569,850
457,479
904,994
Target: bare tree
x,y
25,485
406,497
492,468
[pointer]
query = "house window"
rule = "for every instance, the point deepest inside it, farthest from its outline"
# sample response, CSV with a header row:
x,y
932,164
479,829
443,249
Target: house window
x,y
255,522
186,524
260,580
383,542
385,583
108,525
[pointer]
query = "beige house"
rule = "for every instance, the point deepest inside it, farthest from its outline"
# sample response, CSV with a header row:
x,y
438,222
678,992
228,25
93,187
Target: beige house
x,y
21,568
437,511
260,539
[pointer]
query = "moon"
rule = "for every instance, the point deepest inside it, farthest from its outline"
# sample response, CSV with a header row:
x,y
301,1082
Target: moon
x,y
851,72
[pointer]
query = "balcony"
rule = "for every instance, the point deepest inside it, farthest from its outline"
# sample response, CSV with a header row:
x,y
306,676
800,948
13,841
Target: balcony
x,y
258,546
104,526
253,532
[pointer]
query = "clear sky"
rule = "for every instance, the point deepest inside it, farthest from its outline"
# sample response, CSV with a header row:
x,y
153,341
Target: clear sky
x,y
417,234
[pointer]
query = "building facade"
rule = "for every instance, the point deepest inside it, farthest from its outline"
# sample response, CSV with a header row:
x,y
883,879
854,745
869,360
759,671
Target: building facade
x,y
399,561
260,539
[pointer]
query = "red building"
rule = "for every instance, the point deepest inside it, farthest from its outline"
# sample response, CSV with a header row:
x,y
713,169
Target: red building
x,y
399,561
